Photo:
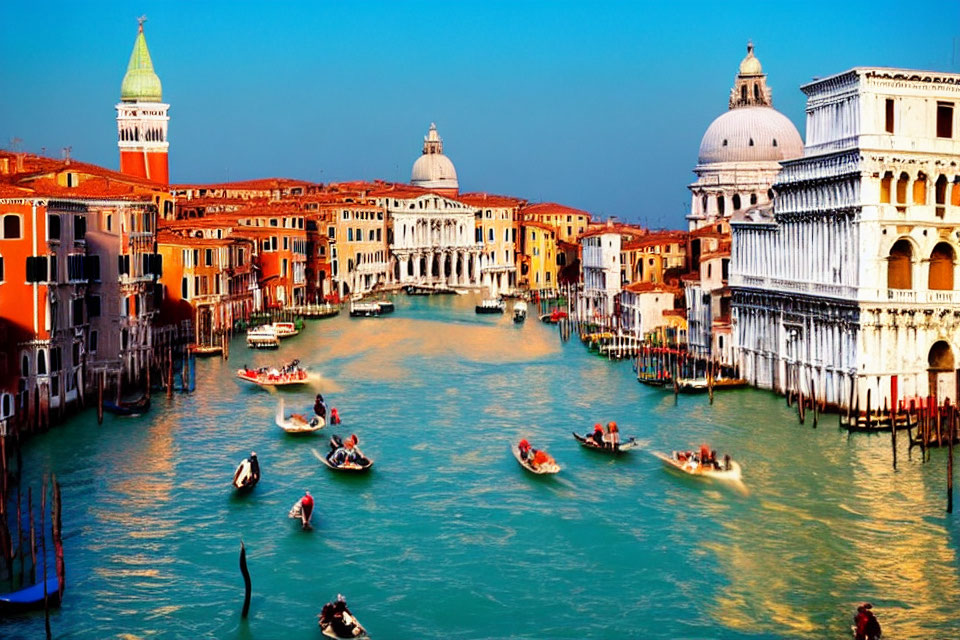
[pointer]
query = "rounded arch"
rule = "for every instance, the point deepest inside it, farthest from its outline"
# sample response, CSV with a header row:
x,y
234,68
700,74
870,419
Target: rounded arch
x,y
940,357
902,182
736,201
920,189
942,260
900,265
886,186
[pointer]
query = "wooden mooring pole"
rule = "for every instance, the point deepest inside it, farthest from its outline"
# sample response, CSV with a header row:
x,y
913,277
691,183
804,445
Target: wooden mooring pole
x,y
953,426
246,580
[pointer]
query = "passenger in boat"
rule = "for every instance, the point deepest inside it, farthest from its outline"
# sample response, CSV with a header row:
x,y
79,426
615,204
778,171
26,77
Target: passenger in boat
x,y
334,416
306,509
866,625
340,619
727,462
597,435
254,466
525,450
320,407
353,453
613,435
540,458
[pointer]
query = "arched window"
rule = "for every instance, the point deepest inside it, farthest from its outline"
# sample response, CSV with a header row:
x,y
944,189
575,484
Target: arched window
x,y
743,92
736,202
751,142
756,91
703,204
775,142
11,227
902,188
720,205
25,366
940,194
886,183
940,357
920,189
900,266
753,198
41,362
955,192
941,267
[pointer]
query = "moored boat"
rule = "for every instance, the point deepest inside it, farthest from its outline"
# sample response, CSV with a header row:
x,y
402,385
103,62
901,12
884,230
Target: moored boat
x,y
128,407
590,443
688,462
290,374
201,350
490,305
365,310
553,317
31,598
386,306
285,329
519,311
263,337
702,385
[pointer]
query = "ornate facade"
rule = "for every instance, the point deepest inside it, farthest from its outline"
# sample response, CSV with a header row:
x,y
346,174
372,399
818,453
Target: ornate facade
x,y
847,286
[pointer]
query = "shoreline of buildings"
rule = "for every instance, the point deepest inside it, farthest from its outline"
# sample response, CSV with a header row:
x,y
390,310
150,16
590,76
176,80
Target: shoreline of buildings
x,y
825,269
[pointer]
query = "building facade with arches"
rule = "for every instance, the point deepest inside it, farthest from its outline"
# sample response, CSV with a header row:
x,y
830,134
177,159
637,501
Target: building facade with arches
x,y
847,285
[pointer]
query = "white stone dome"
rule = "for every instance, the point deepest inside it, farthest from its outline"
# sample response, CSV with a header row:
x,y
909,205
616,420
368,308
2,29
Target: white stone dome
x,y
434,171
750,134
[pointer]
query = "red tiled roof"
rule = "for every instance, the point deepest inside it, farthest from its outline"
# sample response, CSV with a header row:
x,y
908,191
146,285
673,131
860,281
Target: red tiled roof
x,y
489,200
553,208
650,287
253,185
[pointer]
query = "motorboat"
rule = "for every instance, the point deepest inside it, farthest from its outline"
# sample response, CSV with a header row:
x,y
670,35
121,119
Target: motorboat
x,y
247,474
386,306
31,598
128,407
204,350
296,423
365,310
290,374
519,311
263,337
589,443
702,385
547,468
285,329
688,462
491,305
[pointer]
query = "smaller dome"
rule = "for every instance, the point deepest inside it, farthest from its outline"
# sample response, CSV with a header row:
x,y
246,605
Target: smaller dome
x,y
750,66
434,171
141,83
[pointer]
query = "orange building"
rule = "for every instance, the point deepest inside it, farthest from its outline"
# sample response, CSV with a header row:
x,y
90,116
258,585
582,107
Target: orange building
x,y
570,223
279,236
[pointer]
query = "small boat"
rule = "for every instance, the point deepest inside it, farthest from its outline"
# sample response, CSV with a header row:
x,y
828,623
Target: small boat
x,y
348,467
247,474
353,627
689,463
285,329
543,469
365,310
702,385
203,350
427,290
128,407
386,306
291,374
553,317
296,423
491,305
31,598
590,443
519,311
263,337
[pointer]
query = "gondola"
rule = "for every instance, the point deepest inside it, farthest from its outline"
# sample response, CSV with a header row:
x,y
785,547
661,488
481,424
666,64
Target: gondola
x,y
692,468
296,424
544,469
702,385
128,408
590,443
31,598
247,474
346,467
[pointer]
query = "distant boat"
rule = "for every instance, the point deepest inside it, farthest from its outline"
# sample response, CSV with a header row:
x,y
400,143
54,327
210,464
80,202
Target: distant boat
x,y
31,598
386,306
702,385
365,310
491,305
547,468
206,349
297,424
553,317
690,465
519,311
263,337
285,329
128,407
290,374
589,443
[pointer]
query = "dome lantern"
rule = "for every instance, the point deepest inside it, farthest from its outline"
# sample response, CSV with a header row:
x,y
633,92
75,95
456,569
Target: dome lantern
x,y
433,170
750,86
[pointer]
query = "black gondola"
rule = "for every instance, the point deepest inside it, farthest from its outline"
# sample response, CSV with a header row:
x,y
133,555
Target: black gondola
x,y
128,408
590,443
247,474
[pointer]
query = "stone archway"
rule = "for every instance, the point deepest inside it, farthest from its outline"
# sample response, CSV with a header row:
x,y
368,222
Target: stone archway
x,y
942,371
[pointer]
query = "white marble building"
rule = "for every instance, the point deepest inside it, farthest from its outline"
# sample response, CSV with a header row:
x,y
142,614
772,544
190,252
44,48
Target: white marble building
x,y
738,161
849,283
601,273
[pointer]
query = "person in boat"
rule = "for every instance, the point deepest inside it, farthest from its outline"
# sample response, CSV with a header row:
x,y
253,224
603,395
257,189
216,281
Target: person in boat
x,y
334,416
354,454
338,617
865,624
525,451
727,462
303,509
597,435
320,407
254,466
613,435
540,458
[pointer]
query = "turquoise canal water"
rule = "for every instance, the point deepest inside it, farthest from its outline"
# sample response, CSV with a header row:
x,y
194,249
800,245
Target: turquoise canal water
x,y
449,538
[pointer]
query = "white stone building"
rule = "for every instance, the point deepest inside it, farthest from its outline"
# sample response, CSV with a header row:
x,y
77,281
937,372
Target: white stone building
x,y
849,285
601,273
738,161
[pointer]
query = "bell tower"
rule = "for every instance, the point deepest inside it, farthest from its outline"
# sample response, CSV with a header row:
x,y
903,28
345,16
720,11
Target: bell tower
x,y
142,117
750,87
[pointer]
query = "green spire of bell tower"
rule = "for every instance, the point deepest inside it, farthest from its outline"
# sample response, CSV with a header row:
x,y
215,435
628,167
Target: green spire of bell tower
x,y
141,83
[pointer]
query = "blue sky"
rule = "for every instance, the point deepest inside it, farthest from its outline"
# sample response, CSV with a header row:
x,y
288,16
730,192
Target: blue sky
x,y
599,106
